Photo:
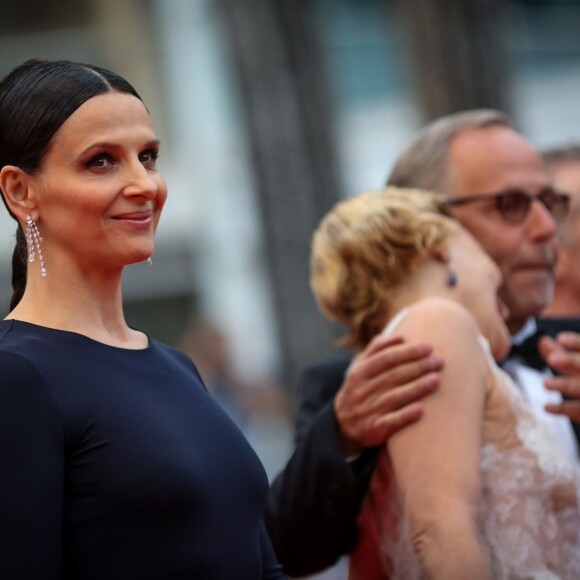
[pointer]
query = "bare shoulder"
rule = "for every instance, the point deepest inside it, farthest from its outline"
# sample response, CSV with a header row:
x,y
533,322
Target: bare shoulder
x,y
453,334
435,317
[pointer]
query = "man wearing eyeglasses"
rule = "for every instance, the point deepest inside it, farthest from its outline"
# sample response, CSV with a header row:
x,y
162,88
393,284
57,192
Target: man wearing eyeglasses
x,y
498,188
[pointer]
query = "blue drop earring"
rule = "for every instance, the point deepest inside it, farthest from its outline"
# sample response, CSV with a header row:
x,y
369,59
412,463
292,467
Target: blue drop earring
x,y
451,276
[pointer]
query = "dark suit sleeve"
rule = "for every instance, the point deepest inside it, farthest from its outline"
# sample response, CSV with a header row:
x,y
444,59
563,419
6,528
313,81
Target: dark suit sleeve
x,y
32,481
314,503
271,570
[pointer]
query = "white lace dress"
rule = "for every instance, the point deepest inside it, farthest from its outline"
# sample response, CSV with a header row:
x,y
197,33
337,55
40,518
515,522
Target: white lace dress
x,y
530,507
531,501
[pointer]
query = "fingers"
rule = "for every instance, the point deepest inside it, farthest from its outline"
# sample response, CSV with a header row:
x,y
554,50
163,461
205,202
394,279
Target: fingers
x,y
565,362
392,400
569,340
568,386
566,340
547,345
388,425
386,356
404,374
563,354
372,424
403,381
570,409
380,342
380,392
368,415
373,430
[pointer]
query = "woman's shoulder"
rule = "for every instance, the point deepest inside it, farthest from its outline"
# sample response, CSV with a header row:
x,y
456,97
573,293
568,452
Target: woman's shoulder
x,y
22,341
14,363
452,332
18,371
439,316
169,351
12,351
446,325
25,397
178,357
15,366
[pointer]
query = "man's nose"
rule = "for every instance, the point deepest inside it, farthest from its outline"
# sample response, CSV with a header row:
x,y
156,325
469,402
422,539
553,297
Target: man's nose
x,y
542,225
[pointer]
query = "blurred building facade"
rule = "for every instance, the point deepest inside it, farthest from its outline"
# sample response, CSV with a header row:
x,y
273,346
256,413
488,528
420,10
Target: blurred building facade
x,y
210,255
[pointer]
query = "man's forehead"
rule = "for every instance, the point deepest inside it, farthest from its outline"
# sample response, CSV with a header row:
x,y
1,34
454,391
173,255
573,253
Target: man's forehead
x,y
493,159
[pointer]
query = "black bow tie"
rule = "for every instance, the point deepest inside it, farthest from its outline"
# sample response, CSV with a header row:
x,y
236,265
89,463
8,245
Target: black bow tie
x,y
528,351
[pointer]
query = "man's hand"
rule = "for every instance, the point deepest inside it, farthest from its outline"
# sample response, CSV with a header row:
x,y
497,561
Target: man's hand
x,y
380,391
563,355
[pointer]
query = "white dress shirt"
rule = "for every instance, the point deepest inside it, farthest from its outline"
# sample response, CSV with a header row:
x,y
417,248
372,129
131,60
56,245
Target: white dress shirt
x,y
531,383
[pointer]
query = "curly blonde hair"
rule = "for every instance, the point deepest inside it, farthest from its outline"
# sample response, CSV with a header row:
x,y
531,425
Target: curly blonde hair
x,y
366,247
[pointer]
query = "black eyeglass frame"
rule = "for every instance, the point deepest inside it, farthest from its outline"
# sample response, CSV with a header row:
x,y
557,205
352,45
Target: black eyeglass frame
x,y
562,199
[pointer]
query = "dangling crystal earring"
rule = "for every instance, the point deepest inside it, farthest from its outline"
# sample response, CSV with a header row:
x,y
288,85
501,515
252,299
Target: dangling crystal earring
x,y
451,276
150,261
33,240
28,236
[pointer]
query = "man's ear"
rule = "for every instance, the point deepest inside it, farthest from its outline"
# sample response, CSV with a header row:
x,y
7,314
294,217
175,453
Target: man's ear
x,y
19,196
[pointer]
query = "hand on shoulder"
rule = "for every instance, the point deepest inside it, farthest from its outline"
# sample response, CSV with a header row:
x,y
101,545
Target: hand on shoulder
x,y
382,391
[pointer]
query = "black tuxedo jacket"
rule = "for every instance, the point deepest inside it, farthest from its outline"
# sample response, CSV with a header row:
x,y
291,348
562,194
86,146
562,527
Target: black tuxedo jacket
x,y
314,503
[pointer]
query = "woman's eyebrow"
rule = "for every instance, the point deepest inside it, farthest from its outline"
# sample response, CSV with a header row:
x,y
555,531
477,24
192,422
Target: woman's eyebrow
x,y
116,145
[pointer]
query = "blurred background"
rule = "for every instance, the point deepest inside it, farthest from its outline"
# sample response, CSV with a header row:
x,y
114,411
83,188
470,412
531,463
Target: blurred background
x,y
269,111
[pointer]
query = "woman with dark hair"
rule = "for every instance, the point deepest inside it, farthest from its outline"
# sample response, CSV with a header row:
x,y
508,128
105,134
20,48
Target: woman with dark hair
x,y
115,461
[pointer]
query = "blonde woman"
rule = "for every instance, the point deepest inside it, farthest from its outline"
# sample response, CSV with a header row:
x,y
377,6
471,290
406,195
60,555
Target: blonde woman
x,y
477,489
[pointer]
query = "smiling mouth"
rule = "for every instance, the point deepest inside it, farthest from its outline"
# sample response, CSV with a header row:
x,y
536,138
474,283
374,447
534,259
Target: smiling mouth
x,y
137,217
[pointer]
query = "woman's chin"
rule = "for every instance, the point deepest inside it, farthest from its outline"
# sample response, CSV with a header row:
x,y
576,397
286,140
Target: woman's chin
x,y
139,257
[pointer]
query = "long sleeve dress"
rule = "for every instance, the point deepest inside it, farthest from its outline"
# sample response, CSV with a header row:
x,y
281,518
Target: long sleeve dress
x,y
117,464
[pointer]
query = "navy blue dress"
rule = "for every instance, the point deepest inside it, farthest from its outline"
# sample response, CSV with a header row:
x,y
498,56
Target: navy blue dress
x,y
117,464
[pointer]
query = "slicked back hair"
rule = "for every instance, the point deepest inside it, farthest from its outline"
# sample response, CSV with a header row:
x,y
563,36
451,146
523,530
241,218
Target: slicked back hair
x,y
36,98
